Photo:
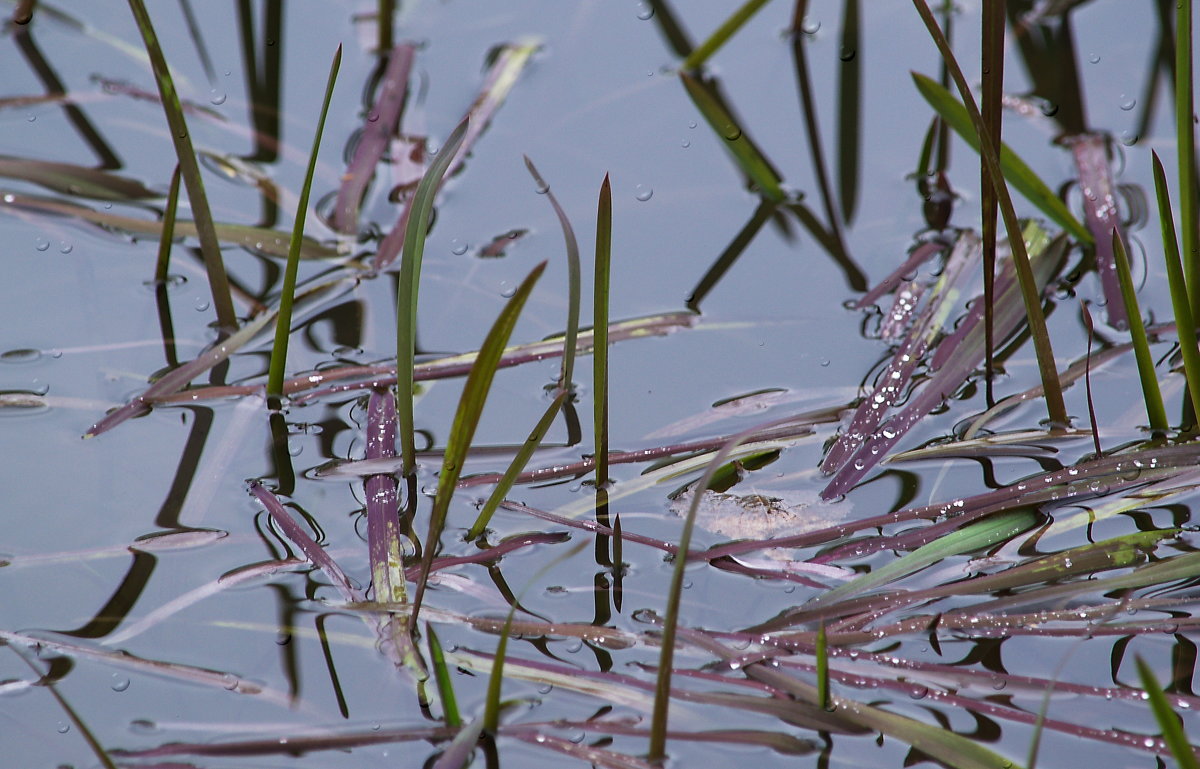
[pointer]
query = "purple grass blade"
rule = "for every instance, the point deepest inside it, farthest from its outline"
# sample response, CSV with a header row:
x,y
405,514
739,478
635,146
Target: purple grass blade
x,y
918,257
311,549
383,524
497,84
588,754
895,378
1102,218
383,120
897,320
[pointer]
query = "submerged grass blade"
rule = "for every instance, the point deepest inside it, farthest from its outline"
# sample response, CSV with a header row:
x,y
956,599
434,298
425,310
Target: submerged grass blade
x,y
1168,720
1156,412
283,320
406,297
1184,322
466,418
209,245
700,53
600,331
1015,170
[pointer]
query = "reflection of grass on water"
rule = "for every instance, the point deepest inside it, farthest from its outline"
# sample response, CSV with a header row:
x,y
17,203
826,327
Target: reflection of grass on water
x,y
804,665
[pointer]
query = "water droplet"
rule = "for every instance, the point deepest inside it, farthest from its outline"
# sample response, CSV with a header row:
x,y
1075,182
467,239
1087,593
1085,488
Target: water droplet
x,y
295,448
63,727
283,638
810,26
1127,103
507,290
119,682
731,132
65,247
41,244
201,304
229,681
32,118
1094,58
217,97
542,189
847,54
373,116
823,362
458,247
1129,138
692,124
685,144
643,193
645,11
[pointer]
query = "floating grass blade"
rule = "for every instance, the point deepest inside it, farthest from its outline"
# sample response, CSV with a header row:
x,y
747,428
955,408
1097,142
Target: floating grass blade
x,y
1184,322
421,209
382,122
1014,169
1156,413
442,677
1185,140
256,239
283,320
209,245
600,331
1168,720
994,530
1055,407
466,418
718,38
748,157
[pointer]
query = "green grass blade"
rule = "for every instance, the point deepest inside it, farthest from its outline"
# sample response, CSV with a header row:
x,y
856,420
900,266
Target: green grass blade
x,y
406,297
168,229
283,321
441,676
517,465
1014,169
600,331
385,13
1056,409
1155,411
748,157
1185,139
822,667
996,529
1168,720
466,419
1184,323
942,744
190,169
718,38
574,280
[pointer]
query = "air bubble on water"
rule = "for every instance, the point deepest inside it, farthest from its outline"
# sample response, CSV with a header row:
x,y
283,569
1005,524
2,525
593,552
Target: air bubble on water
x,y
119,682
32,118
643,193
823,362
685,144
692,124
645,11
201,304
458,247
65,247
63,727
217,97
1127,103
1094,58
41,244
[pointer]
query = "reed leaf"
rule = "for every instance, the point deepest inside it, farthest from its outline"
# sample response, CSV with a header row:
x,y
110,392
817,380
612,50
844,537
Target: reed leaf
x,y
600,331
421,209
1168,720
1184,321
1156,413
721,35
441,675
1185,140
283,319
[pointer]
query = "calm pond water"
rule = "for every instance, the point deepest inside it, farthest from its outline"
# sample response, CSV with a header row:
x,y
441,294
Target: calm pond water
x,y
83,327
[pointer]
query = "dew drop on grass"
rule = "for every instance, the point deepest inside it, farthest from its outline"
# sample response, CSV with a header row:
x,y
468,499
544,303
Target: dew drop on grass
x,y
731,132
507,290
643,193
847,54
810,26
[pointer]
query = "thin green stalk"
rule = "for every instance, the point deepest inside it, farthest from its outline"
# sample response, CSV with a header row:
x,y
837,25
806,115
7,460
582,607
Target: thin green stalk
x,y
1155,411
209,245
421,209
283,321
441,675
1168,720
600,331
1184,324
822,667
168,229
1055,407
718,38
385,13
1185,140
